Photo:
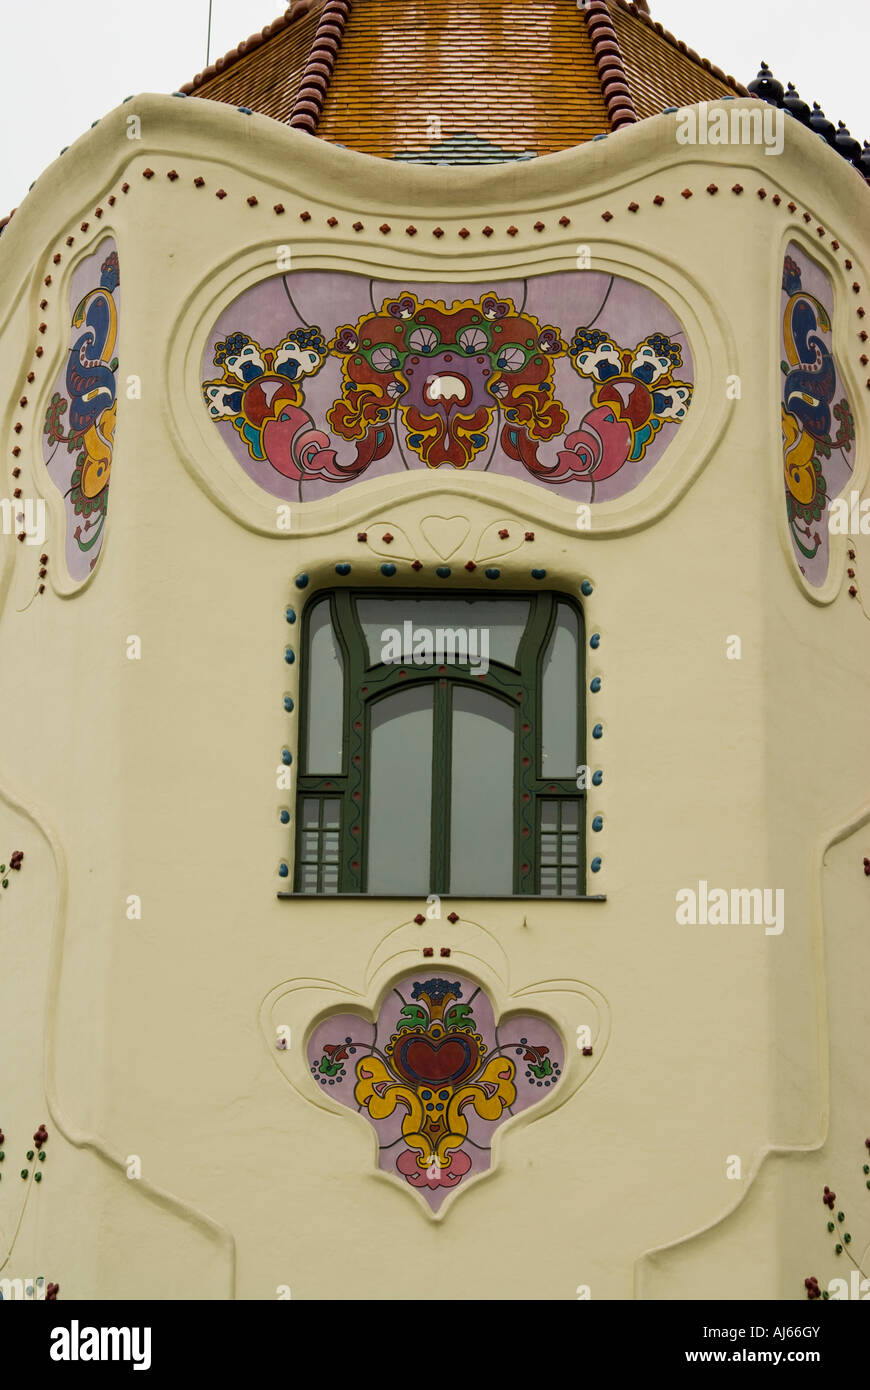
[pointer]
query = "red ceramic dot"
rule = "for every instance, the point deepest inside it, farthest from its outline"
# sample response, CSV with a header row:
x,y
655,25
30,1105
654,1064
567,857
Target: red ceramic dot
x,y
453,916
658,200
147,173
438,231
607,216
419,919
512,231
564,222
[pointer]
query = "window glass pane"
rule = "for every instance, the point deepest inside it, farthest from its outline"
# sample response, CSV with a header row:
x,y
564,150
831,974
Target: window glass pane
x,y
473,631
325,707
482,799
400,792
559,751
310,813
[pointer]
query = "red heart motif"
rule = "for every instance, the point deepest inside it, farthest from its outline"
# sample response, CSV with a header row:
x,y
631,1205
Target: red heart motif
x,y
420,1060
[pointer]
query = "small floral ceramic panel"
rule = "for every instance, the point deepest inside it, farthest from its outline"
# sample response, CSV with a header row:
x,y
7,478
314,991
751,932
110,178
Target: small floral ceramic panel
x,y
436,1075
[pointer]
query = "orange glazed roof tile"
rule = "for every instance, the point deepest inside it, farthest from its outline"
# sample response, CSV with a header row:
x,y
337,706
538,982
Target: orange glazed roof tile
x,y
462,81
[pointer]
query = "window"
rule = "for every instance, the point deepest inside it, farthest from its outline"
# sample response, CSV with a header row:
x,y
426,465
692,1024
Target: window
x,y
439,748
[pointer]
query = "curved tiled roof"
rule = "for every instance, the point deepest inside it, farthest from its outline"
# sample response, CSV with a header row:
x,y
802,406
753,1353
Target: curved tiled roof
x,y
447,82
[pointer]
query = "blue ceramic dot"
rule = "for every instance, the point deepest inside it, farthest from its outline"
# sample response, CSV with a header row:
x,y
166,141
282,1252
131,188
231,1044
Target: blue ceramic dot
x,y
289,655
519,1050
595,865
430,1106
427,1095
442,1095
290,615
348,1039
492,574
179,94
331,1081
439,1107
546,1083
286,757
443,571
285,817
283,871
245,110
598,731
388,570
597,779
352,1051
540,1083
524,1041
595,639
302,581
539,574
586,588
598,823
595,685
342,569
288,704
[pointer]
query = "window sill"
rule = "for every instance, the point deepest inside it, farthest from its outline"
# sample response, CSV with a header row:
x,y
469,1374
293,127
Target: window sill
x,y
405,897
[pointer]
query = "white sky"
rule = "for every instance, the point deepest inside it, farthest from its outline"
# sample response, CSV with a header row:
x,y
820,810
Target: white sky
x,y
68,62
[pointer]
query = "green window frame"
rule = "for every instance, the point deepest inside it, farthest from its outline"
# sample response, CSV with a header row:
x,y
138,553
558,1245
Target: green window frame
x,y
549,830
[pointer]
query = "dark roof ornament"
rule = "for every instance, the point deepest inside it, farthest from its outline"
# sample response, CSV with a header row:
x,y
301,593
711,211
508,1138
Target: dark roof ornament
x,y
846,144
863,163
795,106
766,87
821,125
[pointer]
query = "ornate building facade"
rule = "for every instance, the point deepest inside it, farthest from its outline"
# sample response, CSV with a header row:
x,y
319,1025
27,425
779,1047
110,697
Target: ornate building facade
x,y
435,444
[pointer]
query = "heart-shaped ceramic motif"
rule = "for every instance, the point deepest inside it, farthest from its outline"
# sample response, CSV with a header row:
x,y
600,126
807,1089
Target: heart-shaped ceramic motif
x,y
445,534
422,1061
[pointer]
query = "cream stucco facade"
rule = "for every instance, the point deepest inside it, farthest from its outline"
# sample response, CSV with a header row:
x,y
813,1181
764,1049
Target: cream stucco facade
x,y
153,1037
